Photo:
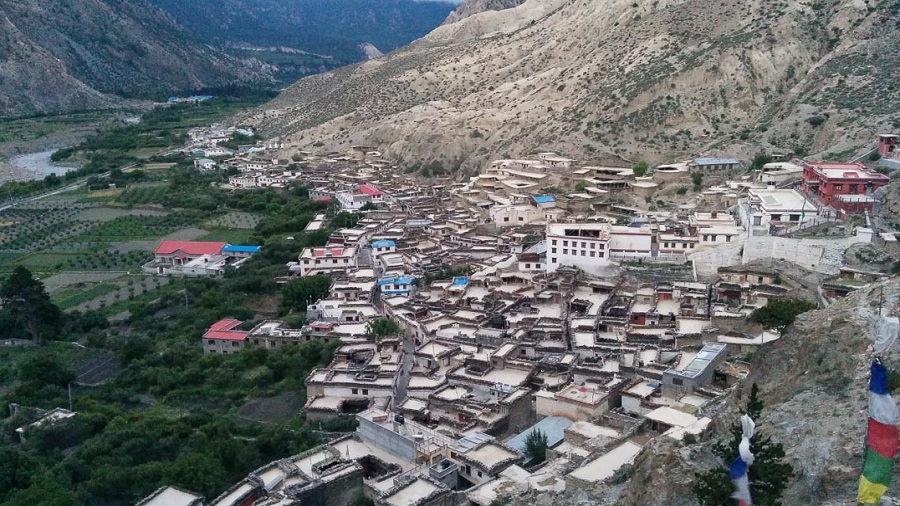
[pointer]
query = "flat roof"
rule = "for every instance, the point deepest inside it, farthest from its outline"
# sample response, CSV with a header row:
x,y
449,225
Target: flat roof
x,y
490,454
784,200
171,496
412,493
606,465
670,416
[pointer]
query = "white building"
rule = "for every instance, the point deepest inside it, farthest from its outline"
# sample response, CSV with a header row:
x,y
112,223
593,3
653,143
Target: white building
x,y
582,245
778,207
326,260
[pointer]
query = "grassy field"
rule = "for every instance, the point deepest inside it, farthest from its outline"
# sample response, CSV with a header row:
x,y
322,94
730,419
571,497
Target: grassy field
x,y
70,298
229,235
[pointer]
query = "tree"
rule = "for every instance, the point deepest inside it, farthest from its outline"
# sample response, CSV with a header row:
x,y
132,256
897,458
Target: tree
x,y
536,446
768,475
874,156
779,314
759,160
697,179
382,327
368,206
640,168
581,186
299,293
25,300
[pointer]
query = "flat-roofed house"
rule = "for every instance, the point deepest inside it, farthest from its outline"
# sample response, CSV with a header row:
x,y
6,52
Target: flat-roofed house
x,y
848,187
326,260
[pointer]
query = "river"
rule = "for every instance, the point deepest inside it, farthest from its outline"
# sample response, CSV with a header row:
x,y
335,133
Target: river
x,y
31,166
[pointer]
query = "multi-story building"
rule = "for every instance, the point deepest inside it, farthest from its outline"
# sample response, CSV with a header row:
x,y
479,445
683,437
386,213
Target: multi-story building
x,y
768,208
222,338
847,187
589,246
326,260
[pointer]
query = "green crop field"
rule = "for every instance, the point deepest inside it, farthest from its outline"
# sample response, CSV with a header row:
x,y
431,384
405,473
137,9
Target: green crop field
x,y
229,235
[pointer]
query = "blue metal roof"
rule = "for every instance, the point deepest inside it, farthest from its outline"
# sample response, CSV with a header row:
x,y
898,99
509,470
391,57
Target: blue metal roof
x,y
399,280
232,248
543,199
384,243
552,426
460,281
715,161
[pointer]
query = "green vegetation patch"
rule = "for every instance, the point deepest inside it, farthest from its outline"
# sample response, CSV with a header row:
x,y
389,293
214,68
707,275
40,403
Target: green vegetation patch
x,y
229,235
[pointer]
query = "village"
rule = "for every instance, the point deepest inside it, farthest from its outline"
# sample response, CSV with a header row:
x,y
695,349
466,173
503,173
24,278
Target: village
x,y
532,298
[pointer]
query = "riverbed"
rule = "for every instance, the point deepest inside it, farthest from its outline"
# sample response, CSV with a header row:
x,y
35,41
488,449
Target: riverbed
x,y
31,166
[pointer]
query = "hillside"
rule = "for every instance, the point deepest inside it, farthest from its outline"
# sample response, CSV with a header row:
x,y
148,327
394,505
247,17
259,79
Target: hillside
x,y
333,28
82,54
813,382
645,78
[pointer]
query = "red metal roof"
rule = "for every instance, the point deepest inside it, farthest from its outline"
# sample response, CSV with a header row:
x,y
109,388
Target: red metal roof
x,y
322,199
189,248
320,252
223,329
226,324
369,190
230,335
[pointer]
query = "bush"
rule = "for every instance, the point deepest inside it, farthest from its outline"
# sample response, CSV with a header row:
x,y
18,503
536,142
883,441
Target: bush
x,y
874,156
681,190
640,168
781,313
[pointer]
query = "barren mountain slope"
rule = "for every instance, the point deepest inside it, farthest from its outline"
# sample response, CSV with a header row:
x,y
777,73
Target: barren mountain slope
x,y
78,54
652,78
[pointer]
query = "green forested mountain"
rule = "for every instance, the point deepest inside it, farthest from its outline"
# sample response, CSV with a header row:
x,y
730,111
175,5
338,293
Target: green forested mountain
x,y
334,28
82,54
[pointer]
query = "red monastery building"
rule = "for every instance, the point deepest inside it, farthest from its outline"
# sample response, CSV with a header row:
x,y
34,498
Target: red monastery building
x,y
847,187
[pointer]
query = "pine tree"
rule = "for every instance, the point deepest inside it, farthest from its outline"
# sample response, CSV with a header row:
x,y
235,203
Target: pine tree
x,y
536,446
768,475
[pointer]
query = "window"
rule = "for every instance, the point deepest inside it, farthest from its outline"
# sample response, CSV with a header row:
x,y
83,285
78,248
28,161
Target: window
x,y
692,245
553,261
552,250
565,243
583,244
593,245
583,253
757,221
365,391
760,279
528,266
211,342
838,187
565,251
727,238
593,254
854,188
334,261
601,254
506,218
235,344
479,474
354,391
553,242
677,381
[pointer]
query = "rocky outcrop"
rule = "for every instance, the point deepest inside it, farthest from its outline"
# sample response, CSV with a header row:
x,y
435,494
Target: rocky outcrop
x,y
623,78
